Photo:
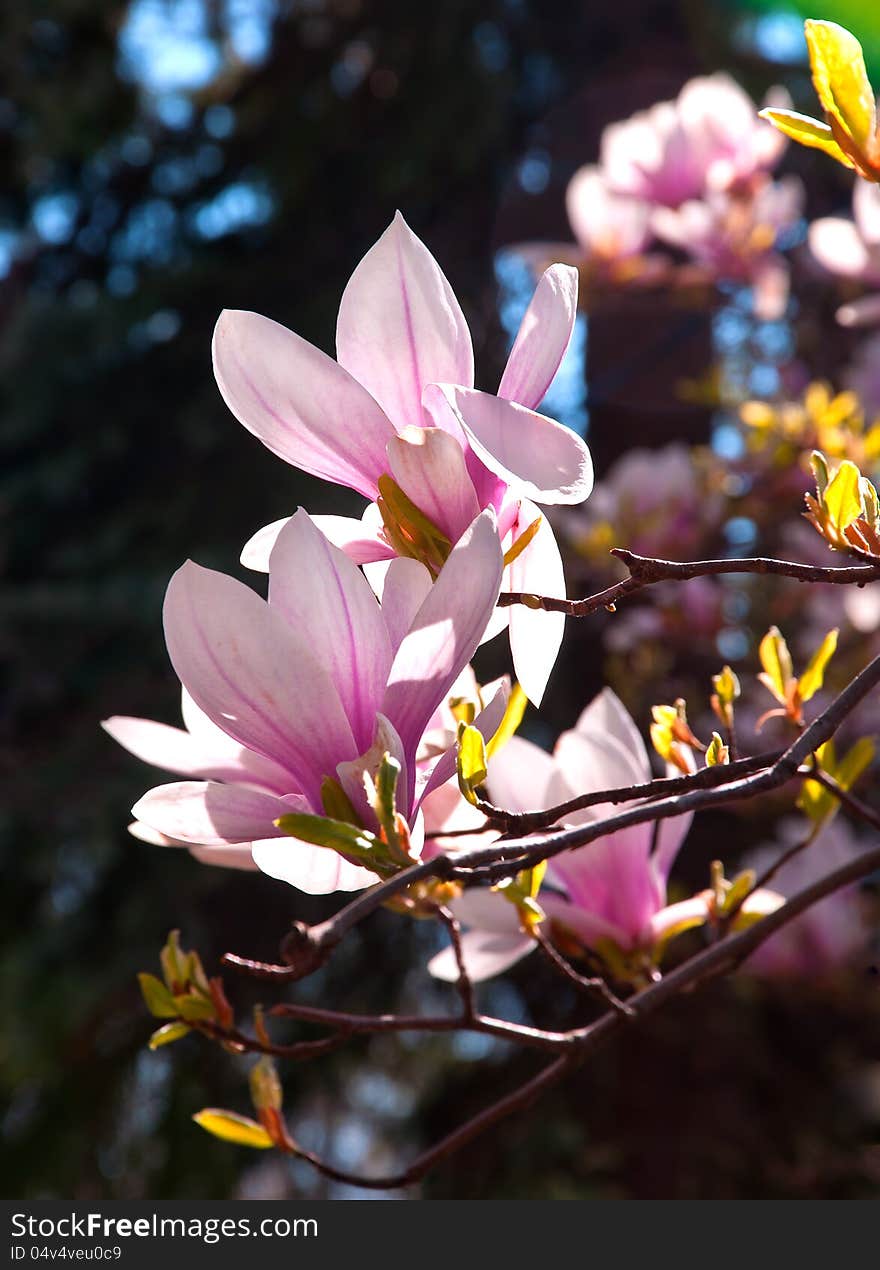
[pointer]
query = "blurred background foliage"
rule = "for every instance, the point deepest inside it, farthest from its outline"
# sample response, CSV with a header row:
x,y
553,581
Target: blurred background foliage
x,y
164,159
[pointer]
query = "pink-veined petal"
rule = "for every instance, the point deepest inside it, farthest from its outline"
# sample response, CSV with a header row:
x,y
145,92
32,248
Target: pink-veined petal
x,y
400,326
429,466
535,636
405,588
209,814
445,632
542,338
332,609
252,768
254,676
537,457
302,405
315,870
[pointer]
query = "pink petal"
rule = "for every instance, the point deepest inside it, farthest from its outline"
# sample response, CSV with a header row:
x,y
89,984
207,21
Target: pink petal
x,y
255,677
209,814
866,209
406,586
542,338
607,715
429,466
519,776
298,402
173,749
536,456
225,857
333,611
535,636
315,870
400,326
353,774
485,955
445,632
256,551
837,244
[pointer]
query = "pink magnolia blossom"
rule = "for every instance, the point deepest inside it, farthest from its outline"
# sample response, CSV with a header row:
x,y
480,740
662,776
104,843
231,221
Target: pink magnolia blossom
x,y
733,236
851,249
399,401
829,934
708,140
316,683
609,895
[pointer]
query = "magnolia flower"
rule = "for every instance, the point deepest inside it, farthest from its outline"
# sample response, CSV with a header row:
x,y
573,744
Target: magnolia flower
x,y
397,411
291,704
610,895
825,936
612,230
733,236
851,249
708,139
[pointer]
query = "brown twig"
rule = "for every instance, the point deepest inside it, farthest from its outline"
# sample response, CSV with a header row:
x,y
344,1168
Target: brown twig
x,y
595,985
718,959
645,571
706,778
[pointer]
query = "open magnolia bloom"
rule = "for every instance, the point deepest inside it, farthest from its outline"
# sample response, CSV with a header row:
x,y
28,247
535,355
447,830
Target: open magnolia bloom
x,y
396,417
302,707
851,249
708,140
608,896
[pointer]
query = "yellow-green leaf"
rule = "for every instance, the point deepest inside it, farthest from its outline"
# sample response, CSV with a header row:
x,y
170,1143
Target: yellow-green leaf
x,y
841,81
192,1006
167,1033
726,686
776,660
808,132
347,839
336,802
513,717
232,1127
159,1000
842,499
717,752
265,1086
854,762
813,677
471,762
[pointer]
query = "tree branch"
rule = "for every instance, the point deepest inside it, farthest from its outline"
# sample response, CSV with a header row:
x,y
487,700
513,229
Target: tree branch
x,y
645,571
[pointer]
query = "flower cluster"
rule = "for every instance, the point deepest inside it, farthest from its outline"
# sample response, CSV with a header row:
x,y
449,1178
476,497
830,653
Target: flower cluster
x,y
691,174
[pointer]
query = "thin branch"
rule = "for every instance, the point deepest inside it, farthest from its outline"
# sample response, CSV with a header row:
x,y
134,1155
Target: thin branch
x,y
463,984
718,959
359,1024
706,778
596,986
645,571
505,858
